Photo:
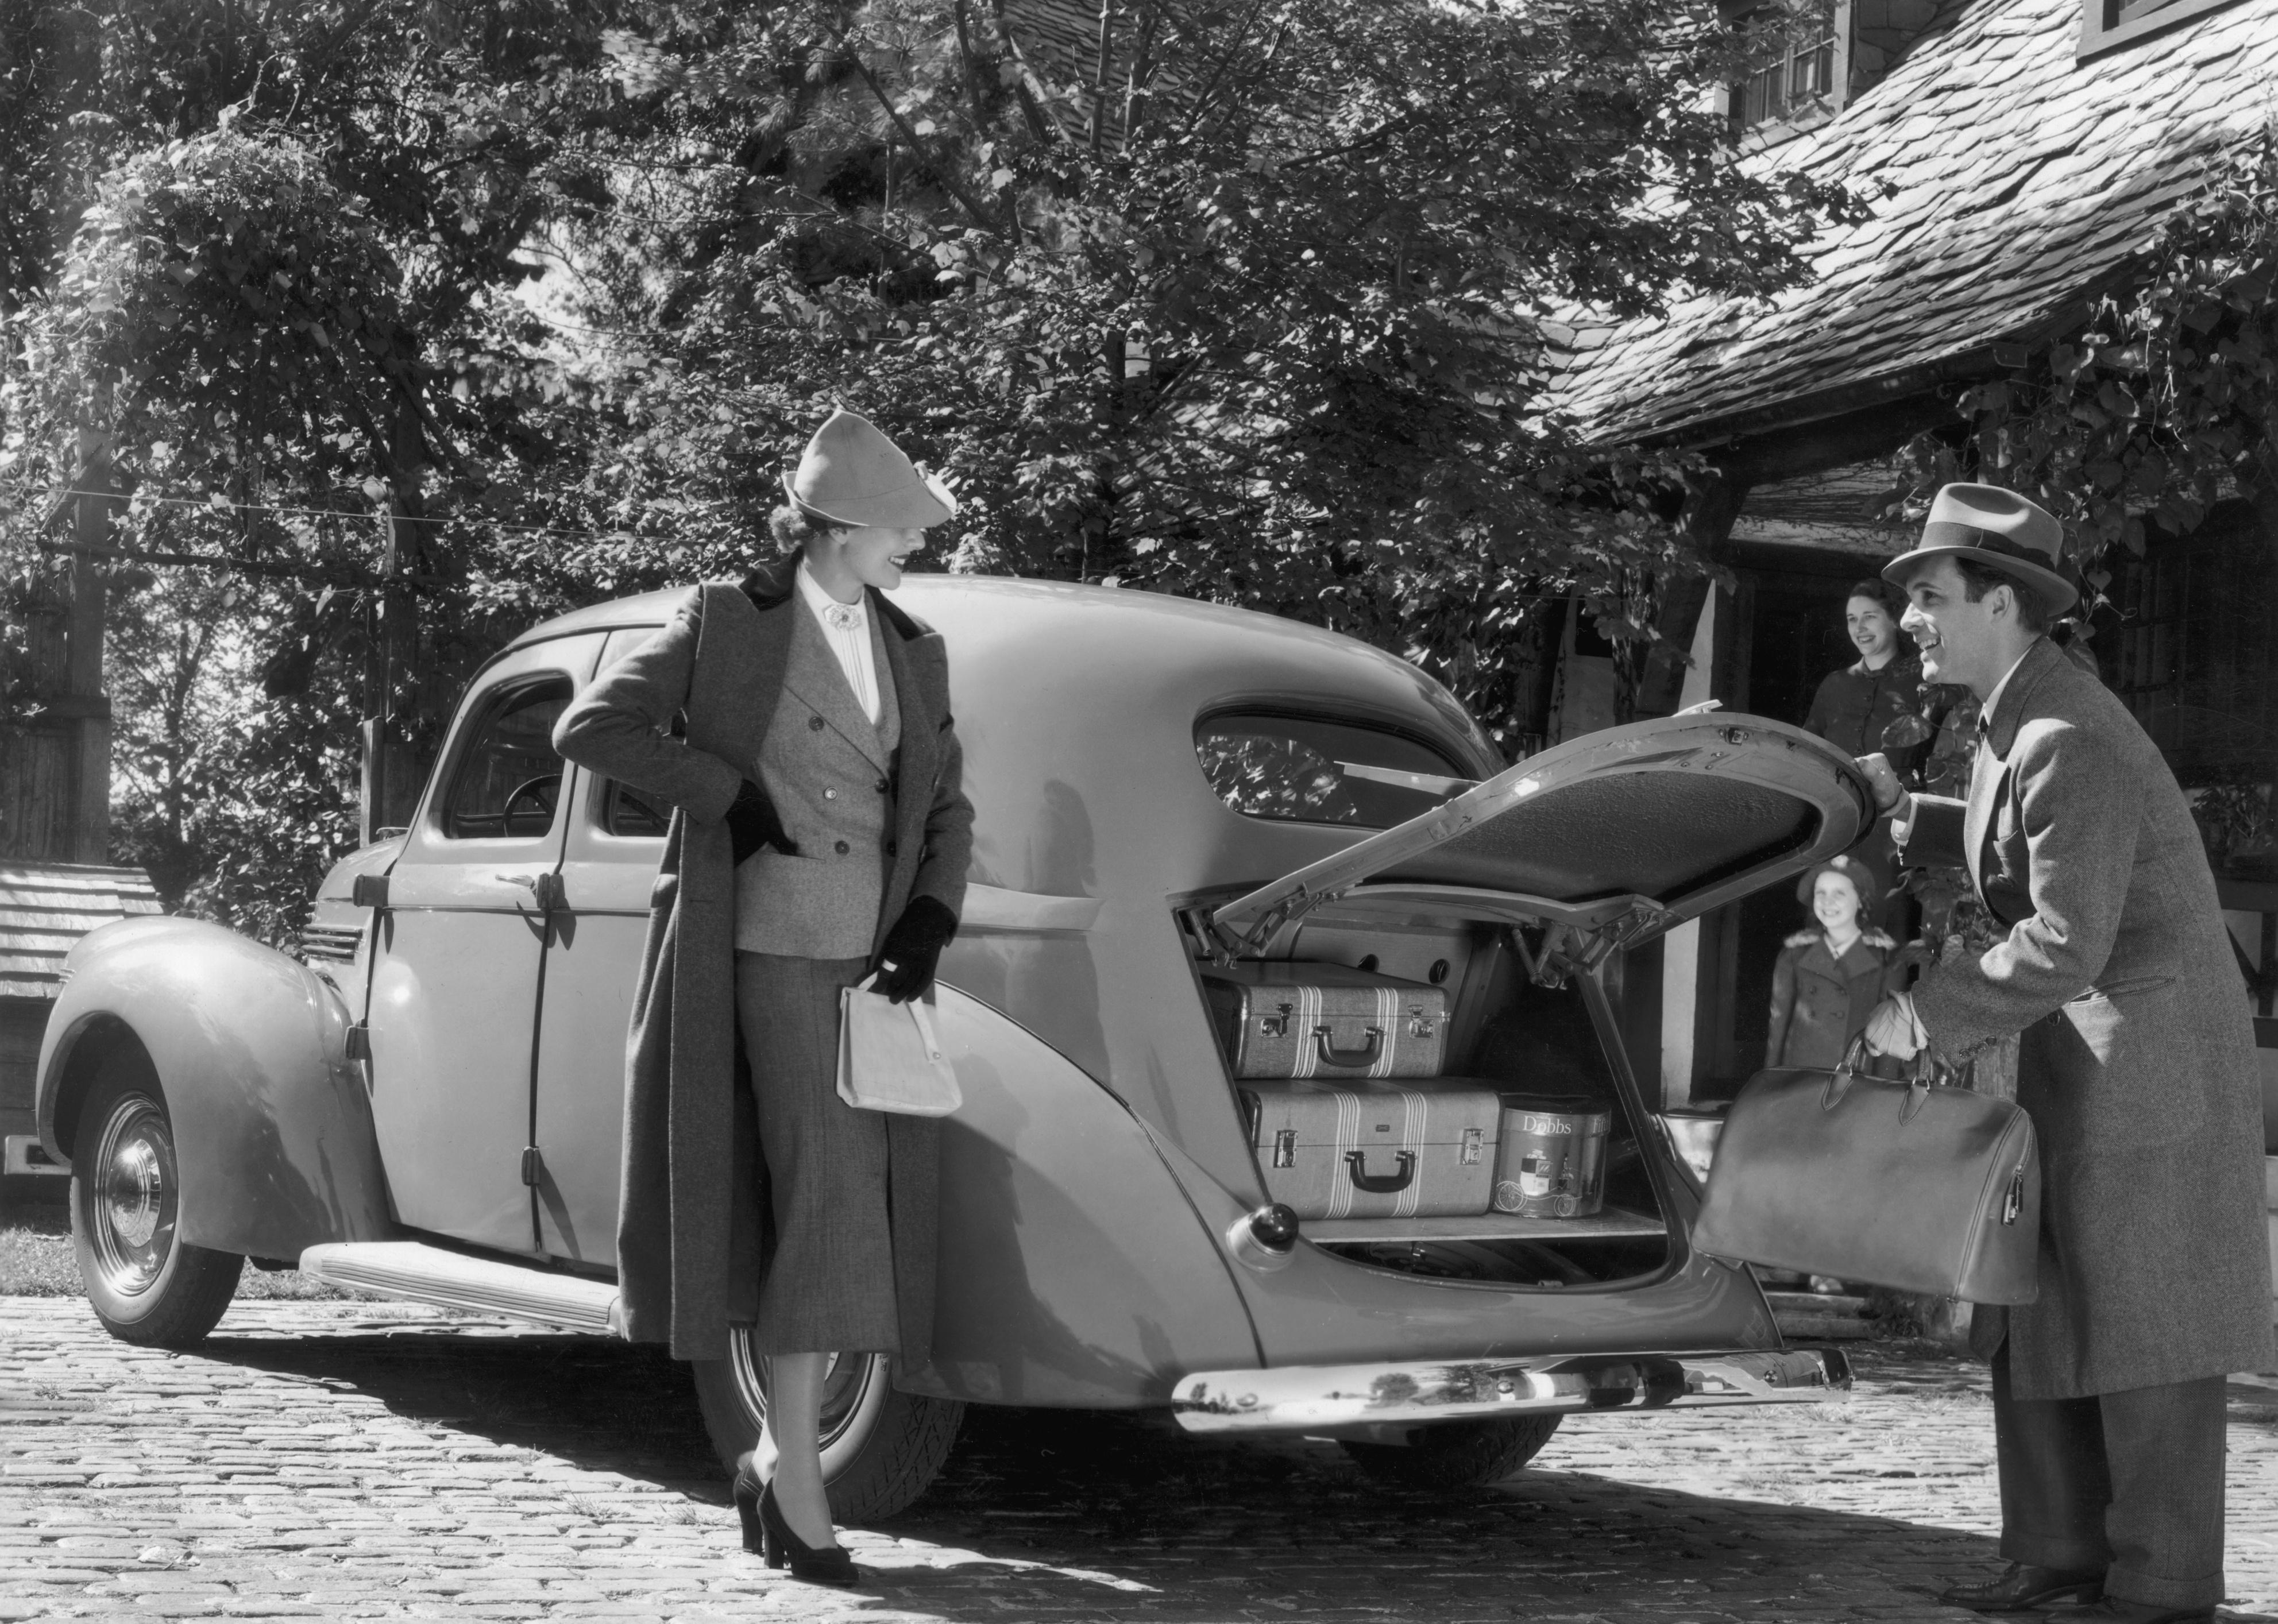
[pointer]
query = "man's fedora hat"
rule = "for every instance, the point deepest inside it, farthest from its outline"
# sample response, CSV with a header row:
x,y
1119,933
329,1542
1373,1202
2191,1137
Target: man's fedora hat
x,y
852,474
2000,529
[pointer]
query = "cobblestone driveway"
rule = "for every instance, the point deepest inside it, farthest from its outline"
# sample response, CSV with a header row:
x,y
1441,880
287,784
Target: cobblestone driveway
x,y
359,1460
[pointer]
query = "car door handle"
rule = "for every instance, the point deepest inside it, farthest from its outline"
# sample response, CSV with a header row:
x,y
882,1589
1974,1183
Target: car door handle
x,y
545,888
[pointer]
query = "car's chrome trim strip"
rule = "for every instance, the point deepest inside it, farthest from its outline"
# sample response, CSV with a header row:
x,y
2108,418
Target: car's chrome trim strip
x,y
415,1272
991,907
1318,1398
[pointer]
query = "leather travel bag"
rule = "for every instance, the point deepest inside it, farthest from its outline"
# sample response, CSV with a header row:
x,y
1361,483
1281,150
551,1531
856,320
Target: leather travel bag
x,y
1297,1018
1376,1151
1892,1184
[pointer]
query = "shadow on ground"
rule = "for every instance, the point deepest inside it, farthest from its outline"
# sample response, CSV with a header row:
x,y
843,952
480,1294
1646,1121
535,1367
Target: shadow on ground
x,y
1115,1517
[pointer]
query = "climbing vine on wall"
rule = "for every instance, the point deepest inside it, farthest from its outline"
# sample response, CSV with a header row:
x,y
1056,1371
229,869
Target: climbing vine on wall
x,y
2163,401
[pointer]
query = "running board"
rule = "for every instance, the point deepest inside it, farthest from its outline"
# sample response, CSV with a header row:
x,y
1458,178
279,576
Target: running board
x,y
415,1272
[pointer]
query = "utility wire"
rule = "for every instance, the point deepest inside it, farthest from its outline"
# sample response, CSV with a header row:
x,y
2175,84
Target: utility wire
x,y
343,514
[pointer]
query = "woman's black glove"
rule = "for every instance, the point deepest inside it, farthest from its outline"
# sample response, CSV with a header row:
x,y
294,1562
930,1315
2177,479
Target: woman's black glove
x,y
904,965
753,823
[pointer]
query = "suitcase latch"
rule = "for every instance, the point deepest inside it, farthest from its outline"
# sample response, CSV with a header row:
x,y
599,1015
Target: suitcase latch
x,y
1277,1025
1285,1146
1474,1146
1420,1026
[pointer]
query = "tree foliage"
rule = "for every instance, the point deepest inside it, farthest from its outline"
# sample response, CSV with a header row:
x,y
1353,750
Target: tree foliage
x,y
1244,303
1270,337
2164,400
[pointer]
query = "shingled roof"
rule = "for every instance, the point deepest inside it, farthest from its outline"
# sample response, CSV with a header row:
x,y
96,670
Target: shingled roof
x,y
2024,181
46,907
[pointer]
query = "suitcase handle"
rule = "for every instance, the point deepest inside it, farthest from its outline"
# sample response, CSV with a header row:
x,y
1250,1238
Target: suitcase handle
x,y
1381,1184
1330,1054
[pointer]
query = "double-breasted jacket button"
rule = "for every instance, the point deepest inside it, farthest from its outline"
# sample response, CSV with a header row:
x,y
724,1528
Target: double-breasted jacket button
x,y
883,785
889,847
830,795
814,724
842,848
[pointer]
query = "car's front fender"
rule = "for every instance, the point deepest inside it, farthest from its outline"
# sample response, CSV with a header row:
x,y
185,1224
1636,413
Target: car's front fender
x,y
272,1127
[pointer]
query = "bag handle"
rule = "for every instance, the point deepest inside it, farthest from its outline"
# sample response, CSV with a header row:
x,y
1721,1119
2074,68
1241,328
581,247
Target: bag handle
x,y
1854,1059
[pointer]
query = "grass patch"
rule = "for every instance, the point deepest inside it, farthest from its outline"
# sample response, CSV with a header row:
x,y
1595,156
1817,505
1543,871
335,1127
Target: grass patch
x,y
36,1260
35,1255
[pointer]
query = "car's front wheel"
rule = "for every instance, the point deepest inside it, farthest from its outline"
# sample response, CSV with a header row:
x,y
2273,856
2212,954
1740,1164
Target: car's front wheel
x,y
881,1447
145,1283
1457,1454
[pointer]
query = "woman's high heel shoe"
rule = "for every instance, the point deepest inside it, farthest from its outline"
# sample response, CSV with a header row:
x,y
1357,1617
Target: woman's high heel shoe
x,y
828,1564
748,1489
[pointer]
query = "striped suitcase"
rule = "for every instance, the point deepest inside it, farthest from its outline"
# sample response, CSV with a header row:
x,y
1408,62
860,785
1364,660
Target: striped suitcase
x,y
1298,1019
1376,1151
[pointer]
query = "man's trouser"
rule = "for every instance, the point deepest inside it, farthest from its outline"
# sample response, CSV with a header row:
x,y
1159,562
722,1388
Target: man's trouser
x,y
2131,1482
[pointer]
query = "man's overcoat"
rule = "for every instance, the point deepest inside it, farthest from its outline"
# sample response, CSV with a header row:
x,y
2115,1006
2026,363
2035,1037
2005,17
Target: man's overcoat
x,y
2137,1064
683,718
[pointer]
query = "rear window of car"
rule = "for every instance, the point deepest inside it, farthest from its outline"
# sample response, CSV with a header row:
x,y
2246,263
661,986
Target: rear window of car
x,y
1321,769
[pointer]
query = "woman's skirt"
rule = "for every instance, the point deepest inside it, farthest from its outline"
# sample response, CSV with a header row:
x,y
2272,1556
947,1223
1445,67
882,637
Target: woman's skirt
x,y
829,1284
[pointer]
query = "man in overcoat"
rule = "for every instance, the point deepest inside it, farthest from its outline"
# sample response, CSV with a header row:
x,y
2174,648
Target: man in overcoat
x,y
2136,1066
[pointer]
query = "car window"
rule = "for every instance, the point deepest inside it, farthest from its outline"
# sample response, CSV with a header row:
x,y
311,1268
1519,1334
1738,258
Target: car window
x,y
629,814
507,778
1316,769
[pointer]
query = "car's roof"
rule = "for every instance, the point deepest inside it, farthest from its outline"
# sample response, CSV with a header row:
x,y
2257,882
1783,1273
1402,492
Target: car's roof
x,y
1113,643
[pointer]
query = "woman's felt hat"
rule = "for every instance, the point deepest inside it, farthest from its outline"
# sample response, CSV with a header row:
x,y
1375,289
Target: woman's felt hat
x,y
852,474
1996,528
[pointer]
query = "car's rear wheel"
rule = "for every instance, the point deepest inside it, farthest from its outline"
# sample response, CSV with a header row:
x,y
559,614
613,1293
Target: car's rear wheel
x,y
1457,1454
145,1283
881,1447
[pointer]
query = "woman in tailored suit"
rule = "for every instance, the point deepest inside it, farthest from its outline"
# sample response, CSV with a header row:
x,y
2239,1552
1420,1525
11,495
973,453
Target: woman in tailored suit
x,y
798,724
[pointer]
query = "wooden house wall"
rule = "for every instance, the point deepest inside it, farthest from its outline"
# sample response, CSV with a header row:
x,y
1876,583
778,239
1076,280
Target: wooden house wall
x,y
38,794
22,1021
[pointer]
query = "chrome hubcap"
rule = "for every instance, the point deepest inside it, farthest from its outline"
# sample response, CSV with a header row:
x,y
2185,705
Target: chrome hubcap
x,y
133,1212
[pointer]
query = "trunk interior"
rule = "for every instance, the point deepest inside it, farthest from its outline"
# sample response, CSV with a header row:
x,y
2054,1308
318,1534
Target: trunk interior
x,y
1523,1020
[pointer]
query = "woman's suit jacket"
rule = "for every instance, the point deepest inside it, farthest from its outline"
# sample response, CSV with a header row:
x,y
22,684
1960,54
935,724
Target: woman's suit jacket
x,y
1819,1001
2138,1062
683,717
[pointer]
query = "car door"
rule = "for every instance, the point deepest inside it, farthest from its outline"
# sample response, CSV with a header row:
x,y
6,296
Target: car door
x,y
615,843
458,975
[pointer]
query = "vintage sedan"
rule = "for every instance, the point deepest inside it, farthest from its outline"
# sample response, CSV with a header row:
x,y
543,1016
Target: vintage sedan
x,y
426,1102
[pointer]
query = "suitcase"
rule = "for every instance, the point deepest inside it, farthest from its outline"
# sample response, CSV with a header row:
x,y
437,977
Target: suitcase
x,y
1302,1019
1376,1151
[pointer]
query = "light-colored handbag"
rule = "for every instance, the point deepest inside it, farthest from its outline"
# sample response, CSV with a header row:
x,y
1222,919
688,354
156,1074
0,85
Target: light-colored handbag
x,y
890,1058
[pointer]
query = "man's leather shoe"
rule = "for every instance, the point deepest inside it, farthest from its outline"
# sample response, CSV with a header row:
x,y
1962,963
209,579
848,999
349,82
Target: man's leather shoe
x,y
2112,1610
2021,1589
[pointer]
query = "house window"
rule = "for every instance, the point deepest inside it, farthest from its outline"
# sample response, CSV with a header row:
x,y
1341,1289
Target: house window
x,y
2106,25
1794,46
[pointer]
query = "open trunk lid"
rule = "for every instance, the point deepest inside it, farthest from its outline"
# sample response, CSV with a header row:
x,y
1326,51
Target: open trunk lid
x,y
1640,826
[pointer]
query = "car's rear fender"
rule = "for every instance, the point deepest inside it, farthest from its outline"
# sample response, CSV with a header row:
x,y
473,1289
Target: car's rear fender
x,y
1073,1271
272,1127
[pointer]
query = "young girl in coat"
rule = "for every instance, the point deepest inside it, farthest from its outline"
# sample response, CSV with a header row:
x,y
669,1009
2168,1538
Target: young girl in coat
x,y
1830,976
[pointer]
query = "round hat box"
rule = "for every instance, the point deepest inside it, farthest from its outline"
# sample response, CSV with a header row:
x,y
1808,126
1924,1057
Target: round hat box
x,y
1550,1156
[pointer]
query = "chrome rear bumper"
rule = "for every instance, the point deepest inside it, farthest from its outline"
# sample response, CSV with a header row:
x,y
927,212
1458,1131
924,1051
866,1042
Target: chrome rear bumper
x,y
1323,1398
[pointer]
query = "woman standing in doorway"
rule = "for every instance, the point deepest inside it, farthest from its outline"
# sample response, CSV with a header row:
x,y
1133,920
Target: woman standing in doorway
x,y
1855,706
799,726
